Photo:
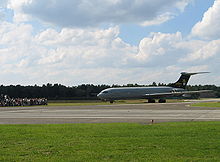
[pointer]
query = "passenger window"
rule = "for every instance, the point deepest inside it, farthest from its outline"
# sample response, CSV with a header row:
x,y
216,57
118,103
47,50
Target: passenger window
x,y
105,92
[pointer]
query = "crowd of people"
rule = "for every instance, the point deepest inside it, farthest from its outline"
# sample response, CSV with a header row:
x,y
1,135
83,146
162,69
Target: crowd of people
x,y
5,100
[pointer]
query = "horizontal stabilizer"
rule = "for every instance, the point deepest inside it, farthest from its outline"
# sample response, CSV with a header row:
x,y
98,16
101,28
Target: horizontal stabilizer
x,y
185,73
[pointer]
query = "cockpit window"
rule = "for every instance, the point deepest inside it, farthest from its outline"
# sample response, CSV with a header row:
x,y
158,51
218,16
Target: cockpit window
x,y
105,92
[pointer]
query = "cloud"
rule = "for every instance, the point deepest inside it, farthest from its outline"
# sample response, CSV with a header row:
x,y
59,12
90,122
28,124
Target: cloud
x,y
98,56
3,4
209,26
2,7
17,7
86,13
159,19
159,46
207,51
86,48
50,54
73,56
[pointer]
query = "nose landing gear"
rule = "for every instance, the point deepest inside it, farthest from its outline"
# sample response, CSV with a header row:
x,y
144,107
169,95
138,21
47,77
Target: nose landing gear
x,y
154,101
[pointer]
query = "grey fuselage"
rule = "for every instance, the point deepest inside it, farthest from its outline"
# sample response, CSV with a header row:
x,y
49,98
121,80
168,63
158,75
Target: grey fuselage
x,y
111,94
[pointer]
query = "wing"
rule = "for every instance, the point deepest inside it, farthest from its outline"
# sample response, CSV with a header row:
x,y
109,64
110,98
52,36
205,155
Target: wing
x,y
175,94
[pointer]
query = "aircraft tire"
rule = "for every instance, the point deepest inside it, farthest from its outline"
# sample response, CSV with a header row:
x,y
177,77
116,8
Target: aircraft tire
x,y
162,101
111,102
151,101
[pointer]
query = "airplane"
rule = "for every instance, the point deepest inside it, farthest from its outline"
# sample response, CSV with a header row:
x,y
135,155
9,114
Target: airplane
x,y
176,89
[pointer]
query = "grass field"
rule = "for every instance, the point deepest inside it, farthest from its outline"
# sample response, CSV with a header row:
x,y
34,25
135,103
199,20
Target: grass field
x,y
91,102
207,104
189,141
99,102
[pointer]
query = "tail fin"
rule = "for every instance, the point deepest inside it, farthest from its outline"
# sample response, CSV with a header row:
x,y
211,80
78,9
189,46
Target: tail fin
x,y
183,80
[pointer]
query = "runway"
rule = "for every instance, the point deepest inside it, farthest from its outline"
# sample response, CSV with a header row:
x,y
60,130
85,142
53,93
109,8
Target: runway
x,y
138,113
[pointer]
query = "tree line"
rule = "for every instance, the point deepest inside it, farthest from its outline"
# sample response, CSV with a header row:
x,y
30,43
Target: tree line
x,y
84,91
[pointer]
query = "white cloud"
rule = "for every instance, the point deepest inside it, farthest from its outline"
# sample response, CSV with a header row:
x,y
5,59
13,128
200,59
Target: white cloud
x,y
17,7
159,19
3,3
86,48
209,26
207,51
52,53
75,56
84,13
2,7
182,4
90,55
159,46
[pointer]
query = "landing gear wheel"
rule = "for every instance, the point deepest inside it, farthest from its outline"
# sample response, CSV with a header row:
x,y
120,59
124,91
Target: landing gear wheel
x,y
162,101
151,101
111,102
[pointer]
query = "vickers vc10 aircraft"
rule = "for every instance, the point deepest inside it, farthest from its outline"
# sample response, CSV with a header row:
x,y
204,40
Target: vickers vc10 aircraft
x,y
176,89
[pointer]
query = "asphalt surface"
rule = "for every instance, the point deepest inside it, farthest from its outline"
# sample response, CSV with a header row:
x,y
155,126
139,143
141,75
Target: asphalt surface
x,y
131,113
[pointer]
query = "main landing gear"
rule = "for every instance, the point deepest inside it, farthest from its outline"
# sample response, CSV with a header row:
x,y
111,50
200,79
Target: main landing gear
x,y
151,101
154,101
111,101
162,101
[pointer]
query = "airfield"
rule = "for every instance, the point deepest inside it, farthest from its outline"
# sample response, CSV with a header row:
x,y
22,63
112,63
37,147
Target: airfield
x,y
115,113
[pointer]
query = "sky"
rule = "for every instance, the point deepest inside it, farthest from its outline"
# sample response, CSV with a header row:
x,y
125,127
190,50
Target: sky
x,y
73,42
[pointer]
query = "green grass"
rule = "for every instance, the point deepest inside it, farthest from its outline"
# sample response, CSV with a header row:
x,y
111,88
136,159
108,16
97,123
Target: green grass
x,y
99,102
187,141
207,104
92,102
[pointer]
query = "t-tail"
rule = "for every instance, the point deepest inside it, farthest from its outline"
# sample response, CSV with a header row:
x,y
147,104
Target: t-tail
x,y
183,80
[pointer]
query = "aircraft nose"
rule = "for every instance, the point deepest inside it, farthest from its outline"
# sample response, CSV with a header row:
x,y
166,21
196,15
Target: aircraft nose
x,y
99,95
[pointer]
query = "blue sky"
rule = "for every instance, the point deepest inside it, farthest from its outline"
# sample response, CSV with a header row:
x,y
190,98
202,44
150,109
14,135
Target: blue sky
x,y
183,22
73,42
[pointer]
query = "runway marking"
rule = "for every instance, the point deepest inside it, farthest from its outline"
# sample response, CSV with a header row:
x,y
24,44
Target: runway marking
x,y
112,113
142,118
145,104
